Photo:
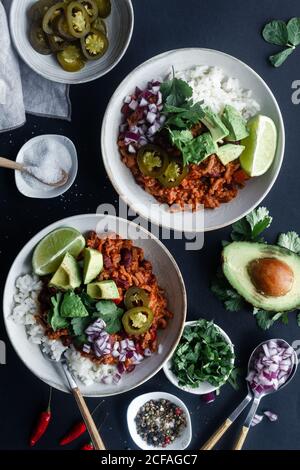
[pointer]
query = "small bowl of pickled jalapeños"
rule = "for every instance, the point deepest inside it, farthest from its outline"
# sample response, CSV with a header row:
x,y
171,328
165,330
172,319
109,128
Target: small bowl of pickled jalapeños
x,y
69,41
158,421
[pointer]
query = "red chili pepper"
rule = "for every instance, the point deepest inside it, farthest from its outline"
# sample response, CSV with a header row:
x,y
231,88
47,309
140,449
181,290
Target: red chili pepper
x,y
42,423
77,430
88,446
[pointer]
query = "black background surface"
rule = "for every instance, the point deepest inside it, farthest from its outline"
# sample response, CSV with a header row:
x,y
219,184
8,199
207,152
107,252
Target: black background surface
x,y
234,27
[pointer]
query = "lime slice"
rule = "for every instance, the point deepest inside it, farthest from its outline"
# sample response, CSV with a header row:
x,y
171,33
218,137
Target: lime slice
x,y
260,146
50,251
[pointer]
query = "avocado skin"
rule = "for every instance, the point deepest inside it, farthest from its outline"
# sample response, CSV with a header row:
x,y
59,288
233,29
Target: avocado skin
x,y
235,262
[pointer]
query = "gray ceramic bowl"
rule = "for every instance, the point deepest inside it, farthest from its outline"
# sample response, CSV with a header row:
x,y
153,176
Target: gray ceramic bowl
x,y
168,275
119,25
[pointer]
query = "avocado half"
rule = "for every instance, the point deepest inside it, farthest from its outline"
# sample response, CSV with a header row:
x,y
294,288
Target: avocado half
x,y
267,276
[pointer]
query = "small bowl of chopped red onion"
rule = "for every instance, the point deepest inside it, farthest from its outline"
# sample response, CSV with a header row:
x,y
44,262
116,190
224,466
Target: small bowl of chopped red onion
x,y
159,421
271,366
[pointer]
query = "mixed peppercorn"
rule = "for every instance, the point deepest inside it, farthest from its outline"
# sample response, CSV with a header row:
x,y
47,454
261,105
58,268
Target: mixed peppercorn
x,y
160,422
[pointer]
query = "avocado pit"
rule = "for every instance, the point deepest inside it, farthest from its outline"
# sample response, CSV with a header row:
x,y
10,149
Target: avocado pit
x,y
271,277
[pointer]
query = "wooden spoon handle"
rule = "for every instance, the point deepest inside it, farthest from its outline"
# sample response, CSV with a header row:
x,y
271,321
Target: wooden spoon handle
x,y
10,164
89,422
211,442
241,438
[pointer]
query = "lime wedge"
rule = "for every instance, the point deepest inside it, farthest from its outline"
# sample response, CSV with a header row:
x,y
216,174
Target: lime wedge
x,y
50,251
260,146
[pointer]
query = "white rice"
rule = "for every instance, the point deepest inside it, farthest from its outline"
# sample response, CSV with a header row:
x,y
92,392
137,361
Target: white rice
x,y
24,311
211,85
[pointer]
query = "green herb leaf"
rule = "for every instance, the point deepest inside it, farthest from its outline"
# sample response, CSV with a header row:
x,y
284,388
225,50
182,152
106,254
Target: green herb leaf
x,y
175,92
79,341
293,28
276,32
280,57
79,325
259,219
110,314
298,320
267,319
234,378
290,240
264,319
72,306
88,302
56,321
241,230
221,288
202,355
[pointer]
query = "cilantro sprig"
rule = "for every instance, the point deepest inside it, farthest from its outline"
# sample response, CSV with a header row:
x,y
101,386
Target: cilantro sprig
x,y
283,34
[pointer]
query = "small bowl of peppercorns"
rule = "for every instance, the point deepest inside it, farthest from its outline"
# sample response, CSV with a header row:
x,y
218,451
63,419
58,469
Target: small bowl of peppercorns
x,y
159,421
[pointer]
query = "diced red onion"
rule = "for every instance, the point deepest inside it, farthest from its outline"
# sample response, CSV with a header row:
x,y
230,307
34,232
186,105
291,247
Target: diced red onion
x,y
271,416
133,105
152,108
86,348
151,117
121,368
271,368
256,420
143,102
209,397
106,379
147,352
115,353
131,149
155,89
159,98
127,99
116,378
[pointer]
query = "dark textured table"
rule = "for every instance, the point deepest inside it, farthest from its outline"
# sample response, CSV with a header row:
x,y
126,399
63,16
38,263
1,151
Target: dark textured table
x,y
160,25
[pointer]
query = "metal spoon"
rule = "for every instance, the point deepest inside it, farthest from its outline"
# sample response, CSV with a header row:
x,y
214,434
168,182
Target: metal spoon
x,y
6,163
85,412
257,397
212,441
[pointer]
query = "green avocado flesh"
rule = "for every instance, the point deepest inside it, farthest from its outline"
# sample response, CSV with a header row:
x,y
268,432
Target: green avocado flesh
x,y
67,276
237,258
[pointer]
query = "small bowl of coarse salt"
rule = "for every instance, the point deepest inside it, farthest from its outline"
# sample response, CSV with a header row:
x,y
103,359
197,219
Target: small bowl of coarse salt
x,y
46,156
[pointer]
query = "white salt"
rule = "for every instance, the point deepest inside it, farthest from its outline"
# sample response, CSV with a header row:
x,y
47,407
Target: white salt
x,y
45,159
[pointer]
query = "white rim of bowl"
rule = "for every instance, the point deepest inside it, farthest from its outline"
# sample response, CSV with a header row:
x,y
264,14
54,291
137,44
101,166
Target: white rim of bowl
x,y
60,223
281,131
172,378
163,395
79,80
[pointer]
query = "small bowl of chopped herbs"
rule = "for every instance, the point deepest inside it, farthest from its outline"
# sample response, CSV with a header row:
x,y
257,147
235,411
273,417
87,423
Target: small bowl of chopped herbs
x,y
158,421
203,360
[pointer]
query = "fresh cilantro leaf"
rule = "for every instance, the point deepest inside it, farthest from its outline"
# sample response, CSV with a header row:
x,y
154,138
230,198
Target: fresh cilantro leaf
x,y
279,58
259,219
241,230
193,150
110,314
175,92
276,32
72,306
234,378
293,29
56,321
290,240
221,288
285,318
235,301
202,355
264,319
298,319
267,319
80,324
88,302
80,340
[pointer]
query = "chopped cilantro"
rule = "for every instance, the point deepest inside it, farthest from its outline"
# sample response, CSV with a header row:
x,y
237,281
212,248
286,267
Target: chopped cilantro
x,y
290,240
110,314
